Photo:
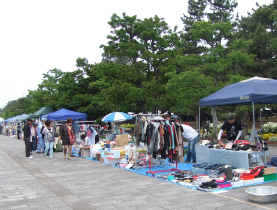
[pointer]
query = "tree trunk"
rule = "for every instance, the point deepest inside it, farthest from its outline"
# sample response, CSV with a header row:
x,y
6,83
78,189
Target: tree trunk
x,y
214,116
197,121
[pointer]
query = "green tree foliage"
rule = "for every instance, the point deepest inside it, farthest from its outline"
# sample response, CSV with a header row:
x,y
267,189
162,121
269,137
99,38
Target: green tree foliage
x,y
148,48
146,66
260,28
196,12
18,107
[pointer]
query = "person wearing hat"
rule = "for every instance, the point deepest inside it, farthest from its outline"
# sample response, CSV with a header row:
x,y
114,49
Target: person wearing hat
x,y
40,136
233,127
27,137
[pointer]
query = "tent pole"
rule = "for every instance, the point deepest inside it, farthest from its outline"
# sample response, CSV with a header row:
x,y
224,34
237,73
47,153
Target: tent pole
x,y
253,115
261,117
199,129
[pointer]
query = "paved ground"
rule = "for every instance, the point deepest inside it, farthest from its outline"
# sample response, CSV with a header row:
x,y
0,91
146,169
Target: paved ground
x,y
58,183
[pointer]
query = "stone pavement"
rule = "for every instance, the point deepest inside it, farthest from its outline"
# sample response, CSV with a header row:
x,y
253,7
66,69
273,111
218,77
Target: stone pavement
x,y
44,183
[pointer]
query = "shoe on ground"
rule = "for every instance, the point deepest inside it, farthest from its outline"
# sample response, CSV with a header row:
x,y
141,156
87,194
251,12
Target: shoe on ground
x,y
69,158
187,161
193,162
51,157
30,157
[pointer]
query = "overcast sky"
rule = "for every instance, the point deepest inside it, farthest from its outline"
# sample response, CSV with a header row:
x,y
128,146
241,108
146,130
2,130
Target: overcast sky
x,y
39,35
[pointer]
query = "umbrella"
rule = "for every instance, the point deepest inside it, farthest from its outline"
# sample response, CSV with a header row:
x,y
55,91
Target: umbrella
x,y
116,117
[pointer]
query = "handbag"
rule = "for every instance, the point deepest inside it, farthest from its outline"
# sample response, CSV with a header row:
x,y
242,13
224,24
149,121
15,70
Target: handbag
x,y
59,146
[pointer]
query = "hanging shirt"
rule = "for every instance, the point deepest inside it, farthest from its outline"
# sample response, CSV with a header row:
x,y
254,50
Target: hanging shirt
x,y
93,133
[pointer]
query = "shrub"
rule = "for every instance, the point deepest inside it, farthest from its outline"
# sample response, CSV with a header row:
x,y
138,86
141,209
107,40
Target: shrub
x,y
269,127
273,138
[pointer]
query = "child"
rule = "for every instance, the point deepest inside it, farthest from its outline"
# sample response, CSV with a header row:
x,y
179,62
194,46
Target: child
x,y
84,139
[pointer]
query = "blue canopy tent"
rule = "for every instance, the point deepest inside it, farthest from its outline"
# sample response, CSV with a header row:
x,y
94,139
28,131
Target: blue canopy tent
x,y
10,119
256,90
63,114
21,117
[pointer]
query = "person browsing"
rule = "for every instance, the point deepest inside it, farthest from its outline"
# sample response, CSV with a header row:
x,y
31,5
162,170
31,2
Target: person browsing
x,y
233,127
67,136
48,133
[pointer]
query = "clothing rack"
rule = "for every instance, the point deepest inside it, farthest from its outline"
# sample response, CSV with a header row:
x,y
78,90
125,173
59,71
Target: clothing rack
x,y
157,171
136,158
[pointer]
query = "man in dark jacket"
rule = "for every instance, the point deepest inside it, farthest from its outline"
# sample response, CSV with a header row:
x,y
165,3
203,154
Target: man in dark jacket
x,y
27,137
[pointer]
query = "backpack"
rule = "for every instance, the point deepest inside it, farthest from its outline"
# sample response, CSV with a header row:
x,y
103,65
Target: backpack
x,y
41,132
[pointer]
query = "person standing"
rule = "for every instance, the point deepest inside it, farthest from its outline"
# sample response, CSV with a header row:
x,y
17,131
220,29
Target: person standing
x,y
27,137
40,136
67,136
193,137
49,139
233,127
18,130
34,137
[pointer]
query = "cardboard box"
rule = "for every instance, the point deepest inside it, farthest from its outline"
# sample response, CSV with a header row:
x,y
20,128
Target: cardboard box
x,y
271,170
85,152
122,140
270,177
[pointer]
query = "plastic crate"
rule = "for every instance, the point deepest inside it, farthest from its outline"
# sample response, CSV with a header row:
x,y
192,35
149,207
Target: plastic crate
x,y
270,177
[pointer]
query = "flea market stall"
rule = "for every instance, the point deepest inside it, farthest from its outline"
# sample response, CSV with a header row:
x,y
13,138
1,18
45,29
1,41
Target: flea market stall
x,y
60,116
243,158
216,168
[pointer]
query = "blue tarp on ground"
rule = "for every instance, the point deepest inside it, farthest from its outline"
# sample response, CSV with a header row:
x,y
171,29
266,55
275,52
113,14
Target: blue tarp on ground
x,y
63,114
257,89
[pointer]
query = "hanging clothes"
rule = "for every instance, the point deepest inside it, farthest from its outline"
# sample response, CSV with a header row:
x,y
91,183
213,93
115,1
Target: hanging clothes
x,y
152,135
137,131
92,134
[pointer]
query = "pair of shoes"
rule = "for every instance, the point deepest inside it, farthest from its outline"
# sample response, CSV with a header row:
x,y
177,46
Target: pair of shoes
x,y
30,157
187,161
